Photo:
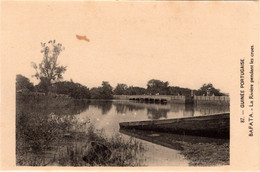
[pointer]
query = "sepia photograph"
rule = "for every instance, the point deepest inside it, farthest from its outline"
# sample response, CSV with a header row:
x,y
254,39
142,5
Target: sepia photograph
x,y
127,84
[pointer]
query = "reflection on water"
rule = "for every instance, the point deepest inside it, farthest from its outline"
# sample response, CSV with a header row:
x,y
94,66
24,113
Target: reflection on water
x,y
170,110
188,111
108,114
157,113
122,108
104,106
103,115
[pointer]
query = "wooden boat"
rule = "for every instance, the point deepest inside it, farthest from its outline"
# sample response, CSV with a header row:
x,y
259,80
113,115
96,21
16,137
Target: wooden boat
x,y
215,125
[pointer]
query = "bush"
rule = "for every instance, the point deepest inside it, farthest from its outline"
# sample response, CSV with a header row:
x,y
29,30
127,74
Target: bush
x,y
48,133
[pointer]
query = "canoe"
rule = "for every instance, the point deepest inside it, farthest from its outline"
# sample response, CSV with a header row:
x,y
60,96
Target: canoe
x,y
215,125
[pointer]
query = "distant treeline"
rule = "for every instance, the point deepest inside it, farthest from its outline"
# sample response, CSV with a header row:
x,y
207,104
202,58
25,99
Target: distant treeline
x,y
106,91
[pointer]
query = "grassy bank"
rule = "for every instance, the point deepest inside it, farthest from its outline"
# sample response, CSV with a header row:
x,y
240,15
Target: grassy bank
x,y
49,134
199,151
206,154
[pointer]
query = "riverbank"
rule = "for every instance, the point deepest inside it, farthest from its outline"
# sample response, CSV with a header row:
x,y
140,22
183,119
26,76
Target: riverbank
x,y
206,154
198,151
57,132
49,134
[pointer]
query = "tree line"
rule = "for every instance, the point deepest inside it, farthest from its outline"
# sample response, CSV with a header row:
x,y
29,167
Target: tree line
x,y
50,75
106,91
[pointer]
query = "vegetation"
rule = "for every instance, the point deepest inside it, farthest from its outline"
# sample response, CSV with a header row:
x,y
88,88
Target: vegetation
x,y
104,92
124,152
74,90
208,89
135,91
120,89
180,91
155,86
48,133
206,154
49,70
23,83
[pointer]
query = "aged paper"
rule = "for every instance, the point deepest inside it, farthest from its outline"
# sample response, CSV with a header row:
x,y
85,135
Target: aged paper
x,y
182,44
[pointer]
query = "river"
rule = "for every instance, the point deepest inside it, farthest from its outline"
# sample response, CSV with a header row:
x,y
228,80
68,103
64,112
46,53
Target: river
x,y
43,131
107,115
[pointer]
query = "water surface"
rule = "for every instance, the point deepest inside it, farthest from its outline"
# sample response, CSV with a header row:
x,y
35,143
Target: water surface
x,y
107,115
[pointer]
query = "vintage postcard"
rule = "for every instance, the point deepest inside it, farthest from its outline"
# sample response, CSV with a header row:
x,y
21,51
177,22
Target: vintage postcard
x,y
134,85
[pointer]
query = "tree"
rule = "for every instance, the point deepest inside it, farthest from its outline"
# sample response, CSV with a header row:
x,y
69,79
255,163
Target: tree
x,y
49,70
107,90
174,90
72,89
209,89
43,85
120,89
23,83
155,86
95,93
135,91
104,92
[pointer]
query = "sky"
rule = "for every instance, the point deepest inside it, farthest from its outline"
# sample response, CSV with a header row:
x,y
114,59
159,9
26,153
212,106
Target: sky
x,y
185,43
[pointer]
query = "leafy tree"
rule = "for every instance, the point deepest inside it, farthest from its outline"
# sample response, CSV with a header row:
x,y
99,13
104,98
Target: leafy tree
x,y
104,92
107,90
95,93
155,86
135,91
175,91
209,89
23,83
80,92
72,89
179,91
49,70
43,85
120,89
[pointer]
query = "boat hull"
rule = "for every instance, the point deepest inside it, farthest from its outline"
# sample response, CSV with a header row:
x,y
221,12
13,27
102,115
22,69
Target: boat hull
x,y
216,125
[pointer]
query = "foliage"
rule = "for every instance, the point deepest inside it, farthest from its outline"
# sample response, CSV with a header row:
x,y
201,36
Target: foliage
x,y
49,70
206,154
23,83
159,87
49,133
43,85
107,90
179,91
104,92
123,89
135,90
125,152
209,89
72,89
120,89
155,86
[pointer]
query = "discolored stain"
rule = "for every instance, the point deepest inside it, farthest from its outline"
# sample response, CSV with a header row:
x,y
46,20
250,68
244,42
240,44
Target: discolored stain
x,y
82,38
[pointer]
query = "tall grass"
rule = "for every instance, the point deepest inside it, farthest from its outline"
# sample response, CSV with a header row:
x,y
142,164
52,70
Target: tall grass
x,y
206,154
48,134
